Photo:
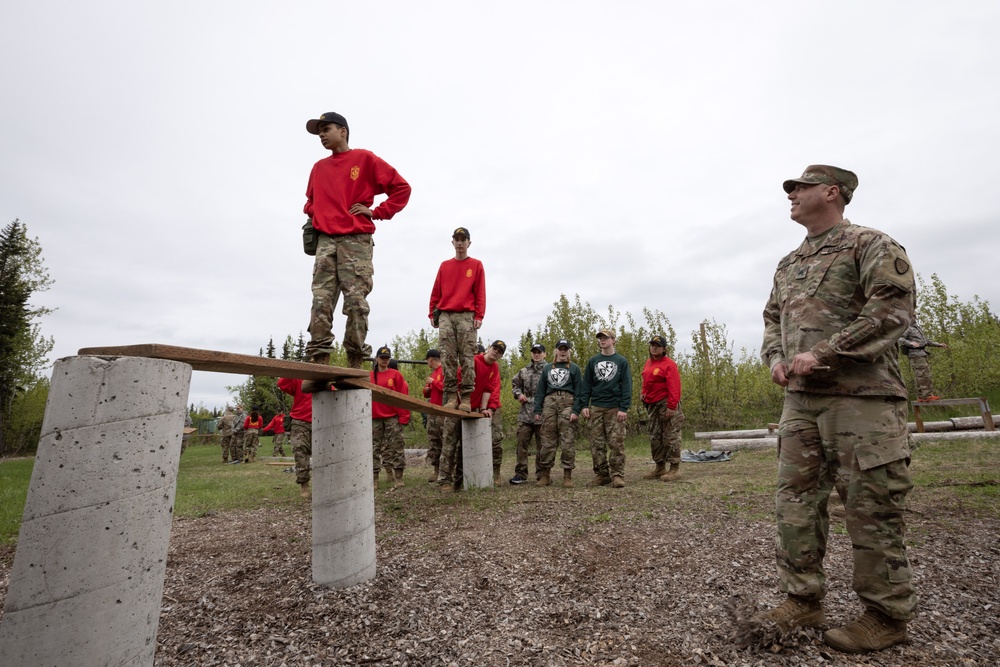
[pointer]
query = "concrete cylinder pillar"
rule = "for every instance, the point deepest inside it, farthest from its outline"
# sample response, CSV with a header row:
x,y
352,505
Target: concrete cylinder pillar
x,y
87,580
477,454
343,526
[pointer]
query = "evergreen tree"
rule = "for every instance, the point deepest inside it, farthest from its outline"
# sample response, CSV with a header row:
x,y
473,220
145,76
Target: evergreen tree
x,y
23,350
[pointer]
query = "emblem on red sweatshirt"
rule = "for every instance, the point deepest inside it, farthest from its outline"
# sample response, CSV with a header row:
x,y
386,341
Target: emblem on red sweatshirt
x,y
355,172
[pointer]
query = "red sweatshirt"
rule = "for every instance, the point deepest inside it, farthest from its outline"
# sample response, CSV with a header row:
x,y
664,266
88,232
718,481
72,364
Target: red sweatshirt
x,y
660,379
249,423
390,379
460,286
487,380
302,404
277,425
338,182
434,390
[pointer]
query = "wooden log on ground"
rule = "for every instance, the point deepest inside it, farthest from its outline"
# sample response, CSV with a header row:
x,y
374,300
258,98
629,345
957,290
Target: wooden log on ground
x,y
958,435
733,444
966,423
726,435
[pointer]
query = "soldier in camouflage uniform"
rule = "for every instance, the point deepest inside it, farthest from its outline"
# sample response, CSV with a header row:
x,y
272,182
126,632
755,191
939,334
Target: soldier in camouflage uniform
x,y
837,307
341,191
555,395
225,427
914,345
238,434
529,425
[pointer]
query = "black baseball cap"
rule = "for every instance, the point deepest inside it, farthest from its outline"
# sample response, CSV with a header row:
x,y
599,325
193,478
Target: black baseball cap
x,y
383,352
461,231
312,126
537,347
562,342
658,340
500,345
432,353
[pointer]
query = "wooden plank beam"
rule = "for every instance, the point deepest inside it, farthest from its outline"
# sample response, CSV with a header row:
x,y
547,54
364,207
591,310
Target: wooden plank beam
x,y
228,362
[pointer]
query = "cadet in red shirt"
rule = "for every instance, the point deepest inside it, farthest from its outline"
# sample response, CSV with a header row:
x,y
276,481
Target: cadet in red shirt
x,y
661,393
301,438
388,422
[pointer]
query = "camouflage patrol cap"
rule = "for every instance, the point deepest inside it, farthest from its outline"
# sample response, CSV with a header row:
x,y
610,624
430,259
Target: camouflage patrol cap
x,y
607,332
384,351
312,126
846,181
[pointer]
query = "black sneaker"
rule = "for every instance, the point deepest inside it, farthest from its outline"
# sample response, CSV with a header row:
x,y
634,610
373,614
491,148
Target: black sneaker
x,y
517,479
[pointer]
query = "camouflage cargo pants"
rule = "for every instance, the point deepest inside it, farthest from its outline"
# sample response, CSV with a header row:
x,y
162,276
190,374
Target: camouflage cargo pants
x,y
496,437
449,466
343,265
301,449
557,432
665,433
251,440
387,444
435,433
525,433
279,444
921,375
457,342
236,449
227,444
860,446
607,442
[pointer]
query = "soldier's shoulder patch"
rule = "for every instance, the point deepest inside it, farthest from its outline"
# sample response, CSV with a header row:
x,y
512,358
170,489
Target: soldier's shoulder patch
x,y
902,266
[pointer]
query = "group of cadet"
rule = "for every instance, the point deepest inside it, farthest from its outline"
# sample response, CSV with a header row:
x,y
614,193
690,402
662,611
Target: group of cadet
x,y
839,303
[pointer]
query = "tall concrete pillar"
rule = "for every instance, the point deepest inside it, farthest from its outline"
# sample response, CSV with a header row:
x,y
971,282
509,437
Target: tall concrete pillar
x,y
477,454
87,580
343,525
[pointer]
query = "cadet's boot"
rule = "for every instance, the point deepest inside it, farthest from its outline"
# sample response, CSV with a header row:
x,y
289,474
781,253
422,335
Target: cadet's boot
x,y
872,632
672,474
464,406
304,486
794,612
398,481
618,482
655,474
543,479
496,476
447,488
316,386
434,476
600,480
353,360
568,478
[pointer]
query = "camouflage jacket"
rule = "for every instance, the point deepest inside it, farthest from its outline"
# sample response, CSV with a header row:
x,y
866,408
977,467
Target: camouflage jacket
x,y
524,383
848,300
914,343
225,424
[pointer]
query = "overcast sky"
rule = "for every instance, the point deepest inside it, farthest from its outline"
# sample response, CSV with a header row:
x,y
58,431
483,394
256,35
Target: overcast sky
x,y
628,152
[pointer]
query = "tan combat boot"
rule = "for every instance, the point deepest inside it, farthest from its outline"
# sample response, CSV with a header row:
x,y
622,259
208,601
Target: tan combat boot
x,y
447,488
304,492
794,612
354,360
543,479
872,632
655,474
618,482
398,479
464,406
567,478
316,386
496,477
600,480
672,474
434,476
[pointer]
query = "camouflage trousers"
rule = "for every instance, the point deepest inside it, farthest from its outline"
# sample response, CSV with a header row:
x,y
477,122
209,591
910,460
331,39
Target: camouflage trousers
x,y
279,444
387,444
301,441
227,445
665,433
525,434
435,434
607,442
450,462
921,375
457,343
496,437
236,449
861,447
557,432
251,440
343,265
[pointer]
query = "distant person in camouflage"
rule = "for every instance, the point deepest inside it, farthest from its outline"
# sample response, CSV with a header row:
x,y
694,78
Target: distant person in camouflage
x,y
838,304
388,447
339,197
914,345
301,430
457,309
434,393
529,426
239,434
558,385
605,399
661,394
225,428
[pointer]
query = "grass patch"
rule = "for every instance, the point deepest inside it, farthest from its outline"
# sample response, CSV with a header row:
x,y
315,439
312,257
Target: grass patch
x,y
15,476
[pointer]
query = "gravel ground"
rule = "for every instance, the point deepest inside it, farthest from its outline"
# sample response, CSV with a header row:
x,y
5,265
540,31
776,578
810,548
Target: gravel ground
x,y
549,577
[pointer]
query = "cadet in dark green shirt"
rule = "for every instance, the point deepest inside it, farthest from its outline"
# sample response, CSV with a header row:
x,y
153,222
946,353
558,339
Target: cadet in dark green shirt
x,y
606,397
